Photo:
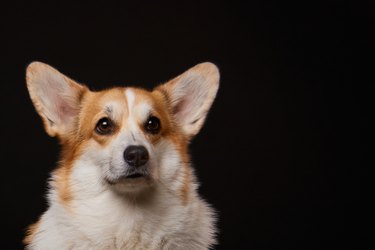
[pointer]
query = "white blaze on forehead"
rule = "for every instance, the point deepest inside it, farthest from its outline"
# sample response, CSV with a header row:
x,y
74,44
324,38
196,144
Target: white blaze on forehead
x,y
130,97
136,112
141,110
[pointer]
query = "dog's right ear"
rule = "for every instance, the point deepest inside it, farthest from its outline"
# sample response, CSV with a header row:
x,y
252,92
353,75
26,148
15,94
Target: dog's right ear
x,y
55,97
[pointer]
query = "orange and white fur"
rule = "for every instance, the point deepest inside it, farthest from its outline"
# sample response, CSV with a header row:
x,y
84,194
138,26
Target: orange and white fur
x,y
124,180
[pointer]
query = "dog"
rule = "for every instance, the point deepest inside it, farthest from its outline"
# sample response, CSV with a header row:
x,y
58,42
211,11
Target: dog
x,y
124,179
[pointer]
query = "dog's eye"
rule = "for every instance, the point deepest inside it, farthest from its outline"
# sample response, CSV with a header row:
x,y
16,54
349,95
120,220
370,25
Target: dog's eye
x,y
104,126
152,125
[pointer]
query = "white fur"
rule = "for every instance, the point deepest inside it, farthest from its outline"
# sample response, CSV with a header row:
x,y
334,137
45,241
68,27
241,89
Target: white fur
x,y
130,97
99,218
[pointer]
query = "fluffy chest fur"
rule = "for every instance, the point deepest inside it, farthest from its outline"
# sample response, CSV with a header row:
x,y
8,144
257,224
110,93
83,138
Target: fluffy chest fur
x,y
107,221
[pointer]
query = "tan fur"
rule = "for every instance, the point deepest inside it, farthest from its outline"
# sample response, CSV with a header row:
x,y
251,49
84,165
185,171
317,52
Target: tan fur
x,y
30,233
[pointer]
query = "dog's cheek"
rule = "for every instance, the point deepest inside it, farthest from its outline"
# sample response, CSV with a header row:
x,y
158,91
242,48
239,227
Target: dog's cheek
x,y
169,161
96,156
87,172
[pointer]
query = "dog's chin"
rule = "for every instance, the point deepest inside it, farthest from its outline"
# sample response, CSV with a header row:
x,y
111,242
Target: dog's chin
x,y
131,183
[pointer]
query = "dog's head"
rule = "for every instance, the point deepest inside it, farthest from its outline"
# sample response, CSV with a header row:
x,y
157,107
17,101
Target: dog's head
x,y
128,138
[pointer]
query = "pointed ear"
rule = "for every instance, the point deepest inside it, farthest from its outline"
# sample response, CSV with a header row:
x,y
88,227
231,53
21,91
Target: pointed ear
x,y
56,97
190,96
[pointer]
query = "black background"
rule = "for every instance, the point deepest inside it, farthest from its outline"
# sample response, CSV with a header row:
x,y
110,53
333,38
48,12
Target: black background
x,y
284,154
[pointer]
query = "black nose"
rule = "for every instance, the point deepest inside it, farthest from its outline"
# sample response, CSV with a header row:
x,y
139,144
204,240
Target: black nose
x,y
136,156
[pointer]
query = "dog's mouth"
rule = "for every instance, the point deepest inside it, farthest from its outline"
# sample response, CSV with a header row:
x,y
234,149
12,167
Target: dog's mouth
x,y
128,177
134,176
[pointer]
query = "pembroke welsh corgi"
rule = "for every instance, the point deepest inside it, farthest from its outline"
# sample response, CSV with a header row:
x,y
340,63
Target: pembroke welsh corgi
x,y
124,180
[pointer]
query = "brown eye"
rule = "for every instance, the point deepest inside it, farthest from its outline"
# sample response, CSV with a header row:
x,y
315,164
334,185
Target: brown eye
x,y
104,126
152,125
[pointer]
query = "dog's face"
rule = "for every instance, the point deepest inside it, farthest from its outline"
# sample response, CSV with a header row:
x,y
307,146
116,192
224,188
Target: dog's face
x,y
131,137
125,132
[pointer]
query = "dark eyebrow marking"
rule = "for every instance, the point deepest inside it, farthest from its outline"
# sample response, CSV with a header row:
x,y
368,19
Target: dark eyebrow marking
x,y
109,112
108,109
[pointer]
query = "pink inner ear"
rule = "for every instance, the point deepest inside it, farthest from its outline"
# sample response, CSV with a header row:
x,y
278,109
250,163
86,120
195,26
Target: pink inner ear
x,y
179,108
183,110
191,105
65,111
58,102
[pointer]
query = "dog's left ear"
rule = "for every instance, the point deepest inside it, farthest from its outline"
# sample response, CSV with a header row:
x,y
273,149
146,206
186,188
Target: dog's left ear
x,y
55,97
191,95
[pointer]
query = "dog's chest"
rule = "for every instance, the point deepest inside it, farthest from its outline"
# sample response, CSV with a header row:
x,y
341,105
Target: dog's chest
x,y
113,224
